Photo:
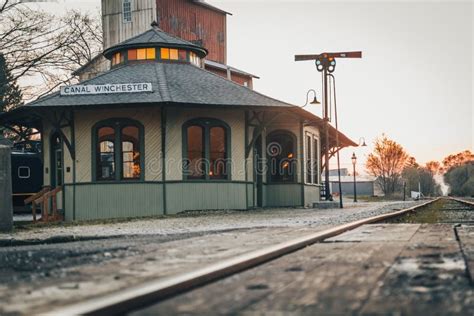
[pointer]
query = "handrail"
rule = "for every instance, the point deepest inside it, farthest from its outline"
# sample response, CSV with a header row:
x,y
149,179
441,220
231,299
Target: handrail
x,y
37,195
42,198
34,200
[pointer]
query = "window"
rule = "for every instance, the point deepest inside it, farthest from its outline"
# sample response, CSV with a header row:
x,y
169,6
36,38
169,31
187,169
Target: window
x,y
132,54
309,159
130,152
194,59
172,54
206,150
106,154
150,53
281,156
142,54
183,55
118,150
195,152
24,172
165,53
316,155
127,11
217,152
117,58
312,159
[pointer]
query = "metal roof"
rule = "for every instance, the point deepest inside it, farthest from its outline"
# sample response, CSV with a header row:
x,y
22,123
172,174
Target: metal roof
x,y
224,67
155,37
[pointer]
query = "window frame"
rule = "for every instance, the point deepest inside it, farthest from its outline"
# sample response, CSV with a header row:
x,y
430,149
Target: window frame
x,y
24,177
294,139
309,155
130,2
206,124
117,124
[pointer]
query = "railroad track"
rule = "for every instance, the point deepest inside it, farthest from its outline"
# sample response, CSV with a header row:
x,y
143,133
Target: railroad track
x,y
152,292
469,203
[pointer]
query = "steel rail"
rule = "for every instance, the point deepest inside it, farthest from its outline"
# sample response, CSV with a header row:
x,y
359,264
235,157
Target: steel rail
x,y
462,201
123,301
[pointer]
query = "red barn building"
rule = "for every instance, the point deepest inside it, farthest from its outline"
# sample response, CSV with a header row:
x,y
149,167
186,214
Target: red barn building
x,y
192,20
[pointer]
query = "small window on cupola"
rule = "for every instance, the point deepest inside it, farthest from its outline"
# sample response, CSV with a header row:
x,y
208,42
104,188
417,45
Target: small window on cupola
x,y
117,58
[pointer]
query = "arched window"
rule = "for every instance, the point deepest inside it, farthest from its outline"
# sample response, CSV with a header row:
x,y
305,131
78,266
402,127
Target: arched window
x,y
281,156
119,148
206,149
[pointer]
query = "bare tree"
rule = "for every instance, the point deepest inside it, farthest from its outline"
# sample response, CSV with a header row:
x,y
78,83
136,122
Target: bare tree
x,y
386,163
45,49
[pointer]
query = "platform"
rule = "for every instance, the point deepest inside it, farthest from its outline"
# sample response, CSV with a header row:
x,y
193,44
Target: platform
x,y
404,269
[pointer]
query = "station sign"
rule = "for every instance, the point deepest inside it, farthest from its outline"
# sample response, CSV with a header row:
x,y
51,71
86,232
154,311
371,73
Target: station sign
x,y
106,89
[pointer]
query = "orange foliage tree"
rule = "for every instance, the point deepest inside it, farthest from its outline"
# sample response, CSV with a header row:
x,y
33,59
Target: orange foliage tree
x,y
456,160
386,163
433,166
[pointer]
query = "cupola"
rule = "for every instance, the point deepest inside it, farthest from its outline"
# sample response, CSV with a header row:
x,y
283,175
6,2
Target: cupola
x,y
155,45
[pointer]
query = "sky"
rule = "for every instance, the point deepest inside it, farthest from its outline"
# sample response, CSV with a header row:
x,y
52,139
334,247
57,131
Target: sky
x,y
414,82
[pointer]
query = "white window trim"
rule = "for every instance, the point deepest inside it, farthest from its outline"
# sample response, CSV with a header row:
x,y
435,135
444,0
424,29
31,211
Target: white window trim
x,y
318,158
24,177
315,167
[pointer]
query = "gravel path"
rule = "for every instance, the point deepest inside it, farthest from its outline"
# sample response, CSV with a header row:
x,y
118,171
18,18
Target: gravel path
x,y
198,222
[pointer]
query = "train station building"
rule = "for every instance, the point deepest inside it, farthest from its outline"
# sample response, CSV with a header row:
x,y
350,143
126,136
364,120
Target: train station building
x,y
158,133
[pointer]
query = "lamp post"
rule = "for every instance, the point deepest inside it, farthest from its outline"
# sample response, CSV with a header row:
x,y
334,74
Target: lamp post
x,y
354,161
326,64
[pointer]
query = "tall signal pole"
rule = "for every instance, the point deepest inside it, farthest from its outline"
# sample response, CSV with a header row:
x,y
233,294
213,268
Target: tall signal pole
x,y
326,64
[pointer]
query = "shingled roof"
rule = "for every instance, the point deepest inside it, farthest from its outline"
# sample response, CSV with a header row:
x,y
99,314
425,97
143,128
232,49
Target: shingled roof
x,y
179,83
155,37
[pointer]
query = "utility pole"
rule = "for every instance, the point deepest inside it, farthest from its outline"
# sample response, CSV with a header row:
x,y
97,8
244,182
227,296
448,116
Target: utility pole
x,y
326,64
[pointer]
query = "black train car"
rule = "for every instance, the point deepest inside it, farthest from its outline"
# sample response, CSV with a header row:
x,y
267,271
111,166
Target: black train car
x,y
27,170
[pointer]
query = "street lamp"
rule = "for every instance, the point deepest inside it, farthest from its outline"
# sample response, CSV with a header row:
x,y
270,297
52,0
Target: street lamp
x,y
362,142
354,161
315,100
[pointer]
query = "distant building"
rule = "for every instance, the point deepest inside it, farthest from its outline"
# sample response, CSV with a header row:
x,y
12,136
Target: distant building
x,y
365,185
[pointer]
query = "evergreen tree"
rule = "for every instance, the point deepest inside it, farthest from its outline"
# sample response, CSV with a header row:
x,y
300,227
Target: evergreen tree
x,y
10,93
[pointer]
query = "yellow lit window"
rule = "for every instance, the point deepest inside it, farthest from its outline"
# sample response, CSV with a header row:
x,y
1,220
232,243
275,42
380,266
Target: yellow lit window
x,y
150,53
141,53
174,54
165,53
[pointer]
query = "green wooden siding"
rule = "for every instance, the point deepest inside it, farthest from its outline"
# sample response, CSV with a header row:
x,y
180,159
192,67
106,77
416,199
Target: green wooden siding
x,y
205,196
311,194
115,200
250,197
122,200
279,195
